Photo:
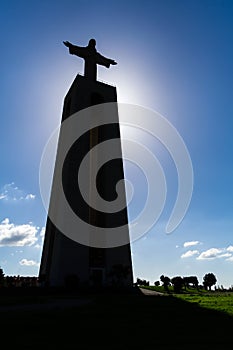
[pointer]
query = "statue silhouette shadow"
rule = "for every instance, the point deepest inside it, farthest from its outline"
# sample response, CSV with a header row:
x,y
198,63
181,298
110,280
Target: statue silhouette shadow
x,y
120,321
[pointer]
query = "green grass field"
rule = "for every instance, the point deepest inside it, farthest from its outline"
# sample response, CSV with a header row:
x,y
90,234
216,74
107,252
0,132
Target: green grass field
x,y
220,301
114,321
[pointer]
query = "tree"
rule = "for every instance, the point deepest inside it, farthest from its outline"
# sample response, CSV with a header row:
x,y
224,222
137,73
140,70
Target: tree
x,y
177,283
1,276
157,283
142,282
166,282
191,279
209,280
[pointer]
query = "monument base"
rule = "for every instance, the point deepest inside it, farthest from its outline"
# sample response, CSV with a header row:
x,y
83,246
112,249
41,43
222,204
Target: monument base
x,y
64,261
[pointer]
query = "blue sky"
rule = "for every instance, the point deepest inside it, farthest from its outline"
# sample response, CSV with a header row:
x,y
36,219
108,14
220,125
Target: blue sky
x,y
174,57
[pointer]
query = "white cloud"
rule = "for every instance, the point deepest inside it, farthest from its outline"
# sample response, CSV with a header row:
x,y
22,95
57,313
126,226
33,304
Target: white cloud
x,y
2,196
17,235
216,253
30,196
10,192
189,253
224,255
26,262
211,253
42,232
37,246
191,243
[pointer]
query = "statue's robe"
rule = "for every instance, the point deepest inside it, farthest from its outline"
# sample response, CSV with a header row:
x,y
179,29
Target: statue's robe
x,y
92,58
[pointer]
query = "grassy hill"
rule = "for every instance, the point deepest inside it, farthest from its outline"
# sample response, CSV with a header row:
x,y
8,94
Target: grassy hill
x,y
220,301
114,321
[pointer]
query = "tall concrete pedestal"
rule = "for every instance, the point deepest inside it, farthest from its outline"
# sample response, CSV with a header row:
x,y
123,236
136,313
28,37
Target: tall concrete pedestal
x,y
64,261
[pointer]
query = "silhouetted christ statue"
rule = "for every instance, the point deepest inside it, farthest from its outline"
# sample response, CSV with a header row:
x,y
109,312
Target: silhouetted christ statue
x,y
90,56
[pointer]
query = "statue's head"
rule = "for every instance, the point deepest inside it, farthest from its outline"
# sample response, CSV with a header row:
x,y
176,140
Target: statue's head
x,y
92,43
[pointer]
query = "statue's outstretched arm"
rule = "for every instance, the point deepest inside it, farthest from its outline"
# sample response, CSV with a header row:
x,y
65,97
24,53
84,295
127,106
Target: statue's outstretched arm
x,y
67,43
104,61
76,50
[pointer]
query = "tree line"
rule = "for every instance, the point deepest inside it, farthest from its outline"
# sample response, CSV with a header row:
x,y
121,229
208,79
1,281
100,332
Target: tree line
x,y
18,281
178,283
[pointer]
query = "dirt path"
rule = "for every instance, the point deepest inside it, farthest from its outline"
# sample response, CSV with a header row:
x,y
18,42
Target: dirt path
x,y
151,292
